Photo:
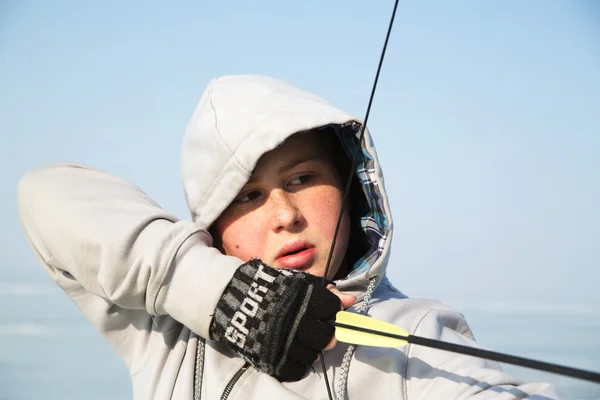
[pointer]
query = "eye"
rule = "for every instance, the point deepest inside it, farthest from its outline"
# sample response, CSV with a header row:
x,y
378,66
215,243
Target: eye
x,y
299,180
248,196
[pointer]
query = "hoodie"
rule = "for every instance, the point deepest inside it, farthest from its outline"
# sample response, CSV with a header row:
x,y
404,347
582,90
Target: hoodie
x,y
150,282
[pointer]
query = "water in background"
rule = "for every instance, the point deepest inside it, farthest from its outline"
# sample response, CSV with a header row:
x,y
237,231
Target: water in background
x,y
567,334
49,351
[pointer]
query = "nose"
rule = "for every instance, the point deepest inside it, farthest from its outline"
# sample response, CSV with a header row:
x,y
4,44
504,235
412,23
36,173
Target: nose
x,y
284,213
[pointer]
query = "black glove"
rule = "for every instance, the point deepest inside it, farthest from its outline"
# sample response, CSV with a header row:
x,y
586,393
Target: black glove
x,y
276,319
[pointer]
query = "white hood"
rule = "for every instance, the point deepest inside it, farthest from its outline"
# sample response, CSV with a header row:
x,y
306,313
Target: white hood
x,y
238,119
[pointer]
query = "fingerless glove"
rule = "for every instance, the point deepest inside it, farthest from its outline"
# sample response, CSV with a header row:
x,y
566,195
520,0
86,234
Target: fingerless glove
x,y
276,319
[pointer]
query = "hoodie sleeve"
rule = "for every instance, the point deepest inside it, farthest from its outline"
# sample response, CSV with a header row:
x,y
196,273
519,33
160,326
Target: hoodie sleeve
x,y
437,374
118,255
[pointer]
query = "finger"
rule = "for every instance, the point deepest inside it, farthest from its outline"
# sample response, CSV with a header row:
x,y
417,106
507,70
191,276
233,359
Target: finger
x,y
331,344
347,300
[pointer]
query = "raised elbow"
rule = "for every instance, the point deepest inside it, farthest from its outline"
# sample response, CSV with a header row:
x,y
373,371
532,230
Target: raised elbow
x,y
38,194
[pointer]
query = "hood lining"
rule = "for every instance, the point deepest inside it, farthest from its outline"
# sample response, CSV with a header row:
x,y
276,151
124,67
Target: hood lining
x,y
375,223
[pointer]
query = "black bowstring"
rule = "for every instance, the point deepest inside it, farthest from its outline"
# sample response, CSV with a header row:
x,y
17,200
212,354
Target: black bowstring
x,y
349,182
355,156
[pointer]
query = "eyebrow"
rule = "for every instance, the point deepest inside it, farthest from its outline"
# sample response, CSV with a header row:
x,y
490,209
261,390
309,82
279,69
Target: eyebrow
x,y
299,160
292,163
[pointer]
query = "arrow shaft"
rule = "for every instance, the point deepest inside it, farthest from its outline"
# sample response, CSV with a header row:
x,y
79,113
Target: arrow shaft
x,y
486,354
506,358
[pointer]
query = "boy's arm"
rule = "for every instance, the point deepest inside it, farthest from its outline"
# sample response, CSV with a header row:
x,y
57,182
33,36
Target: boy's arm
x,y
437,374
112,248
123,259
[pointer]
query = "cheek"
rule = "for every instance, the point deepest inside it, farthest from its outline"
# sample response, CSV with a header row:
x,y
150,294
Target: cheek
x,y
325,208
324,214
242,238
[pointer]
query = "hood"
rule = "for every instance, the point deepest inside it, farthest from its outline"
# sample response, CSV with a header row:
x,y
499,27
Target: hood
x,y
238,119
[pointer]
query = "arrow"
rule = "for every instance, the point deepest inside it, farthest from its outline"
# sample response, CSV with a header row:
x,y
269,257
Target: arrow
x,y
363,330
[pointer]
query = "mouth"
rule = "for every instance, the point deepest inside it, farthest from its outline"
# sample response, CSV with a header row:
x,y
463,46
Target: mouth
x,y
296,255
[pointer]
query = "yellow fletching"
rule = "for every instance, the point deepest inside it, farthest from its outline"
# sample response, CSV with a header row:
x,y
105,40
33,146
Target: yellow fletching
x,y
348,335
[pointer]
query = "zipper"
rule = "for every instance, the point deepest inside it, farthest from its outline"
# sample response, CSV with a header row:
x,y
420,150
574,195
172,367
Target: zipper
x,y
233,381
199,368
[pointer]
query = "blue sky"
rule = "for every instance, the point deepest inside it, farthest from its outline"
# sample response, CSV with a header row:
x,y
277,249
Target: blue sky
x,y
485,119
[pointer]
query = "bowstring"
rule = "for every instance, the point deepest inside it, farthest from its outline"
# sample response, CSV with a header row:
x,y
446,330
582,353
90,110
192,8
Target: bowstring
x,y
352,168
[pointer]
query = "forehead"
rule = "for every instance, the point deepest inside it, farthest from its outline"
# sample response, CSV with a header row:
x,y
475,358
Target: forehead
x,y
297,148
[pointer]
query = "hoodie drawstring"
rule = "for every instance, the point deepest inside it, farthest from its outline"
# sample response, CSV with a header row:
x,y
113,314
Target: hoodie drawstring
x,y
342,385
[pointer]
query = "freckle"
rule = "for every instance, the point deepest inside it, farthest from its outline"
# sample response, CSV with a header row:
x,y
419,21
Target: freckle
x,y
237,246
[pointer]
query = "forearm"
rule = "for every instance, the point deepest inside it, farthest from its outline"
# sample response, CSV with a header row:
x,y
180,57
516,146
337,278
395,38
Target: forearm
x,y
119,244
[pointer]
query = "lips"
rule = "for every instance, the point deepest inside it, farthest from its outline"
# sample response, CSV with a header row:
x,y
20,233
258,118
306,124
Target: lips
x,y
296,255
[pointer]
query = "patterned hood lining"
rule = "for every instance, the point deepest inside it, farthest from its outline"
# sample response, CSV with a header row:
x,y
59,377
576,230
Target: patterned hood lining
x,y
374,221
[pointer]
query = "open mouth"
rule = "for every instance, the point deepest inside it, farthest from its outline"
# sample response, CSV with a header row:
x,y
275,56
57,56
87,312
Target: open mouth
x,y
291,253
296,255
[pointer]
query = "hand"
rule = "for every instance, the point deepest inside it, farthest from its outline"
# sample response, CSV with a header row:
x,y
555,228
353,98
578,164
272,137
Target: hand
x,y
347,300
277,319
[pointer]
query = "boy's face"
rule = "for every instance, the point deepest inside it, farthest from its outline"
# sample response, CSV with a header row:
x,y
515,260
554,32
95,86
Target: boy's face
x,y
287,212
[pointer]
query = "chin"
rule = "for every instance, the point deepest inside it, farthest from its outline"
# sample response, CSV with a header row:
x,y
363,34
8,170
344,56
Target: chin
x,y
316,272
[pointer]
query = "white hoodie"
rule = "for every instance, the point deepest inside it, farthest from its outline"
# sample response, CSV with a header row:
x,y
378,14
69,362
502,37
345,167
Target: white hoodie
x,y
150,282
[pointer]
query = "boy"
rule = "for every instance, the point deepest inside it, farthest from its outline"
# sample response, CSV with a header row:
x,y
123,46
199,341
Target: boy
x,y
230,305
